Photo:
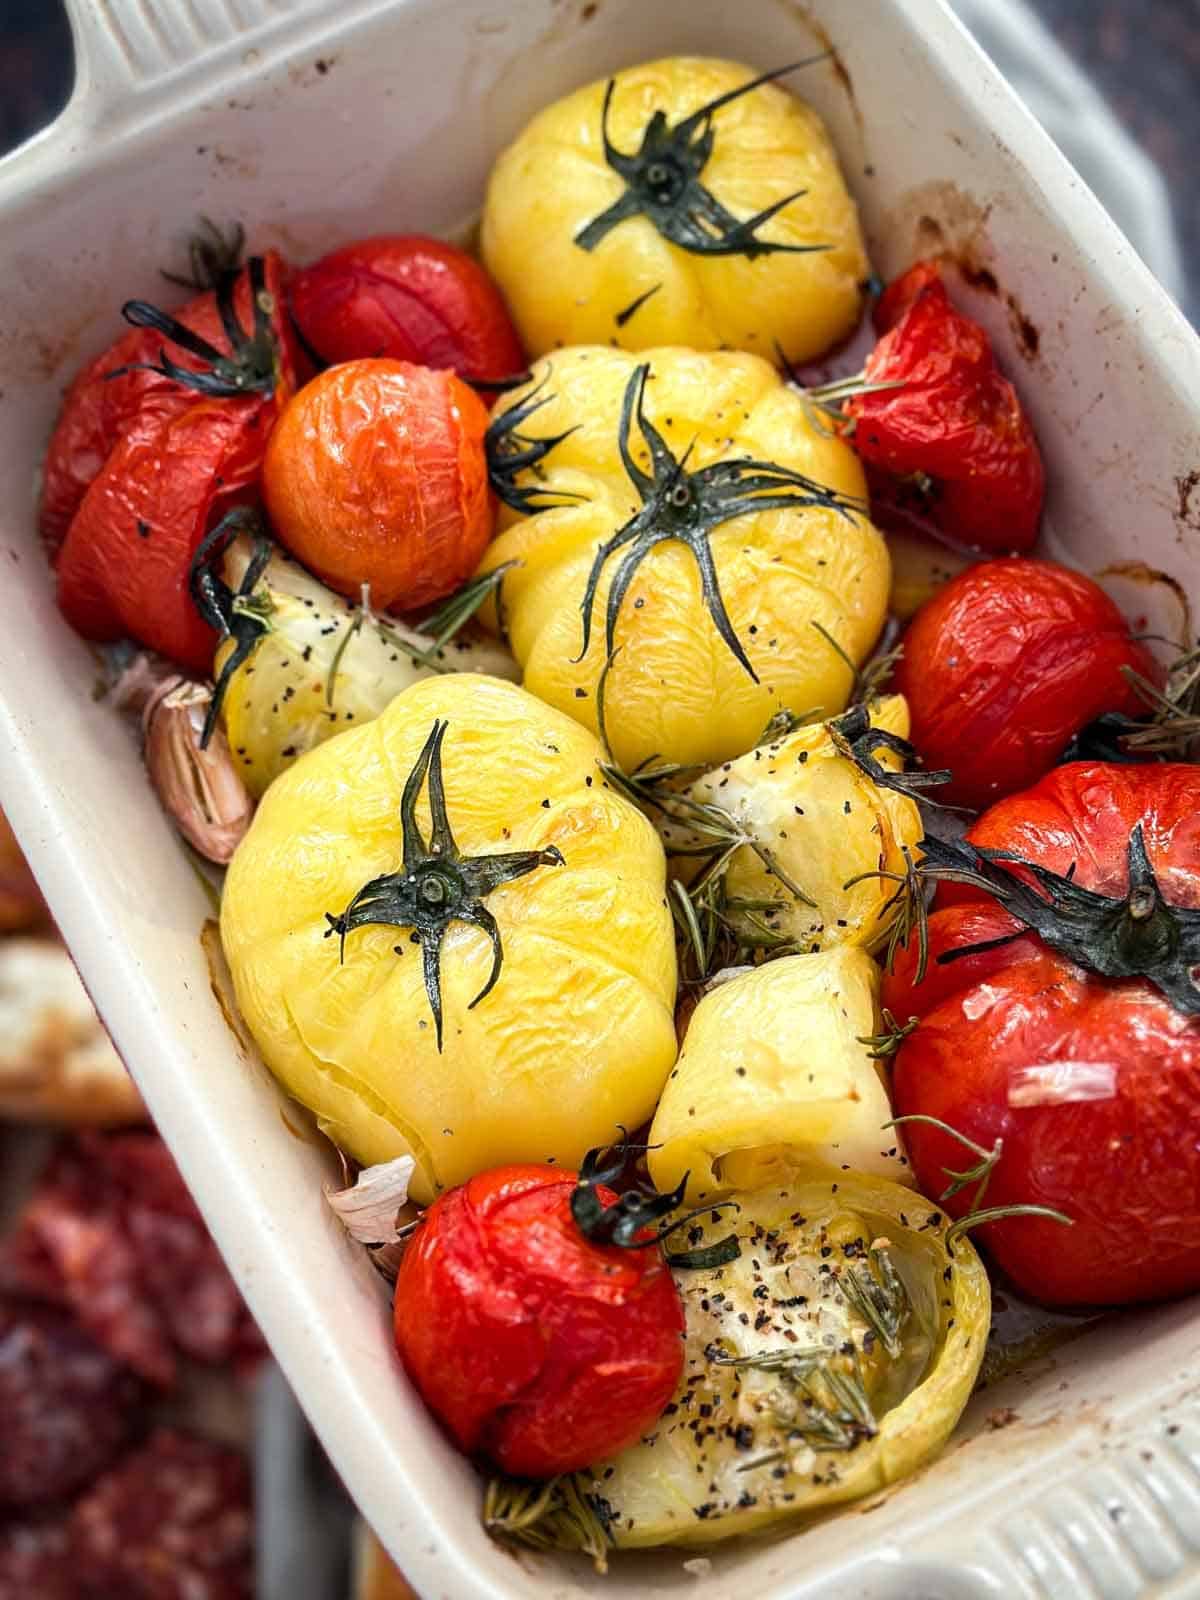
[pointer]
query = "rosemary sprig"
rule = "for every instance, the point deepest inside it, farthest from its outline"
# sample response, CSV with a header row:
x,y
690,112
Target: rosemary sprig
x,y
877,1292
559,1515
867,681
885,1044
981,1175
712,925
825,1403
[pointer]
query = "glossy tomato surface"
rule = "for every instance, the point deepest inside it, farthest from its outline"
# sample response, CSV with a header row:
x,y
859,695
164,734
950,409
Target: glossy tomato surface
x,y
1004,665
1092,1084
99,407
950,442
537,1349
376,474
410,298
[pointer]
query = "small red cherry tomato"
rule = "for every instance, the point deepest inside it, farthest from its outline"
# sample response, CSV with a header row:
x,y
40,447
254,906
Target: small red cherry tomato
x,y
376,474
1005,664
537,1349
952,446
1061,1049
410,298
99,407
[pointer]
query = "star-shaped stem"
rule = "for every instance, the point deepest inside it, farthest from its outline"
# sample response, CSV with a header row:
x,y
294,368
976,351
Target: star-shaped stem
x,y
855,737
252,364
509,452
1140,935
686,507
662,182
626,1221
235,614
437,884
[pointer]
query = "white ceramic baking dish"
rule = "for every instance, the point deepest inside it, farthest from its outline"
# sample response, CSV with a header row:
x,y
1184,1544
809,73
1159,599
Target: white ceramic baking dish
x,y
315,120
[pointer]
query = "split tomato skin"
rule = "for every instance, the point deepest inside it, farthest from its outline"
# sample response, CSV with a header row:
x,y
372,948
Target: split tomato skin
x,y
952,445
1005,664
1092,1084
123,568
99,408
376,474
538,1350
410,298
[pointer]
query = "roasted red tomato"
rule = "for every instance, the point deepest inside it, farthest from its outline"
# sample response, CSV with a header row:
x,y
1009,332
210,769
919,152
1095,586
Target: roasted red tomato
x,y
108,394
410,298
952,445
1060,1031
538,1349
1005,665
376,474
188,443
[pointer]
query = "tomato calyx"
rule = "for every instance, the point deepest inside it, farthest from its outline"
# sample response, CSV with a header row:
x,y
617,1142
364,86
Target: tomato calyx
x,y
686,507
213,256
858,739
626,1221
1139,936
509,452
253,363
662,183
238,613
437,884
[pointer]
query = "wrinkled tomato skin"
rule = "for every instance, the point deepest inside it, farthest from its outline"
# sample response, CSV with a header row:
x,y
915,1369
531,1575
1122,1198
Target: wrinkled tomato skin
x,y
538,1350
98,409
956,420
1004,665
123,568
376,474
1113,1142
409,298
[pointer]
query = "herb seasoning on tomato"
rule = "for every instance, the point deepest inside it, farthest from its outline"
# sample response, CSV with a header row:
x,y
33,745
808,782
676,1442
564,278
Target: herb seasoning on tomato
x,y
945,437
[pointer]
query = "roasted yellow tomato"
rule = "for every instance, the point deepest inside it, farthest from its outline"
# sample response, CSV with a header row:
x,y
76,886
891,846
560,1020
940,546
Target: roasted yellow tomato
x,y
775,1078
823,820
450,940
691,527
299,663
685,201
831,1359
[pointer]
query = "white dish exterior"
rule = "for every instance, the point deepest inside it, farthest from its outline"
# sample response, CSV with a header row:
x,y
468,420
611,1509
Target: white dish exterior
x,y
316,121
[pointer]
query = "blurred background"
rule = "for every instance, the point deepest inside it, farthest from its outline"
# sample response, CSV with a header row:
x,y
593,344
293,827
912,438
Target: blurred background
x,y
257,1510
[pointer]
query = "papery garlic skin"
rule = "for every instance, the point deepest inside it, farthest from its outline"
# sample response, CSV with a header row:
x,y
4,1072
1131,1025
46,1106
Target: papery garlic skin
x,y
201,789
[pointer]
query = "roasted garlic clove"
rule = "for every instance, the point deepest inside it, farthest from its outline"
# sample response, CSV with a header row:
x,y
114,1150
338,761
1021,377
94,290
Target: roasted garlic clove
x,y
202,789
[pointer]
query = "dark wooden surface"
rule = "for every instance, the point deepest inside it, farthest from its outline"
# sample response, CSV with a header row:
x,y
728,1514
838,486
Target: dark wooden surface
x,y
1144,54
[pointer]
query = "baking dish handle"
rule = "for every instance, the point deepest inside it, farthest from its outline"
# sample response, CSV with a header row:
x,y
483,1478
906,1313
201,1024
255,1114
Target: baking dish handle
x,y
126,51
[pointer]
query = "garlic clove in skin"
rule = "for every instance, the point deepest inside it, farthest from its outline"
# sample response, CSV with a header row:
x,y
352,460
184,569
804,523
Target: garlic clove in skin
x,y
201,789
